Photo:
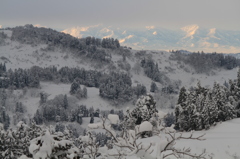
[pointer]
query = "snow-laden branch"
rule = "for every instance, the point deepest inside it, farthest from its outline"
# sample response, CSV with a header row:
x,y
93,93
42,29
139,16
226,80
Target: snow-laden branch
x,y
129,144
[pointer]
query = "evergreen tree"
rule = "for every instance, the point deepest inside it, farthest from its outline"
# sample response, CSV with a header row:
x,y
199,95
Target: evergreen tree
x,y
59,127
65,102
182,97
74,87
92,119
238,77
19,107
43,98
84,92
79,119
97,112
38,118
181,106
169,119
153,87
3,97
144,110
6,122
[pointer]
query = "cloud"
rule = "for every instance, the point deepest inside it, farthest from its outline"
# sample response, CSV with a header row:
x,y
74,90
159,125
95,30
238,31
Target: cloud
x,y
150,27
154,33
0,26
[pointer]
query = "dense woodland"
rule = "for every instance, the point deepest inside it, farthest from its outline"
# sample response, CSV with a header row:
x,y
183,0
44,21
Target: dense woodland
x,y
205,62
200,107
91,47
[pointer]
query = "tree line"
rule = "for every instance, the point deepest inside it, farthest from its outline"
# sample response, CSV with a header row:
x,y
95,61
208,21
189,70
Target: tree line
x,y
205,62
91,47
199,107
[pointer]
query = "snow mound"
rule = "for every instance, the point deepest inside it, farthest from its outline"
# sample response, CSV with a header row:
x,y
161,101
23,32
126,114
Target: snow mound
x,y
24,157
21,124
170,129
145,126
161,114
114,118
95,126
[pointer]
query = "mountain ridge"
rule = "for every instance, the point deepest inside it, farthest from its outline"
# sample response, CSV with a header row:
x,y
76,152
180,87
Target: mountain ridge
x,y
192,37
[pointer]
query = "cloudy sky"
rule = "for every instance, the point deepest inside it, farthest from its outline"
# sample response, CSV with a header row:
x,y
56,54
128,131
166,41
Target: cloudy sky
x,y
62,14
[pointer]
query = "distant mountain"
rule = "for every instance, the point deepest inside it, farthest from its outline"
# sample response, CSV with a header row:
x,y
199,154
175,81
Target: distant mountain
x,y
191,37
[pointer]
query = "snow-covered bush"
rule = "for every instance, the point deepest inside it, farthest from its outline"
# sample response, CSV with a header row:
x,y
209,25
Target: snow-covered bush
x,y
49,145
15,143
129,143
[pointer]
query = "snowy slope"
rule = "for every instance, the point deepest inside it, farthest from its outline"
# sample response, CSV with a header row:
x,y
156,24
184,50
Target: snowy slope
x,y
221,142
17,55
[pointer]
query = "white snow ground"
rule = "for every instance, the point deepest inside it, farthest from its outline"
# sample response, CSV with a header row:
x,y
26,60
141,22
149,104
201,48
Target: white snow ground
x,y
222,141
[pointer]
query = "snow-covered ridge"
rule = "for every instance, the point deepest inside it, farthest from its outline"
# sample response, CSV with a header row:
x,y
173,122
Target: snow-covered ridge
x,y
190,30
192,37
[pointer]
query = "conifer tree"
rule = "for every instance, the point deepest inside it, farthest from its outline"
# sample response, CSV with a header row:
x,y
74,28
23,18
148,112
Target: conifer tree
x,y
74,88
180,107
65,102
238,77
92,119
153,87
84,92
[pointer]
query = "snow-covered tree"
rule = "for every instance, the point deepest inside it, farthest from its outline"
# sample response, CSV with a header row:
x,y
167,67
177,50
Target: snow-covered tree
x,y
92,119
202,107
181,104
55,145
144,110
74,87
43,98
65,102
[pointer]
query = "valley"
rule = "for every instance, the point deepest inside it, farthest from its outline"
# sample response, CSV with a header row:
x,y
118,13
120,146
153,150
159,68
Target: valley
x,y
77,80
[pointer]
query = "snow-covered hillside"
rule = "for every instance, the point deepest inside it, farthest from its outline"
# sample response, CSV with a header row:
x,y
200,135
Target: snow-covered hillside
x,y
19,55
54,99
